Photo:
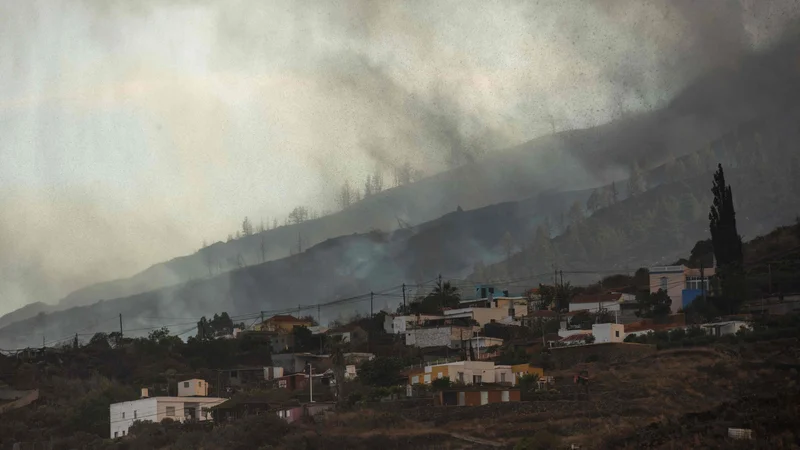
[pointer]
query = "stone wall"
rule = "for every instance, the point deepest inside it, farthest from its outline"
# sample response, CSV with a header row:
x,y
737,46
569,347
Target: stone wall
x,y
610,352
436,336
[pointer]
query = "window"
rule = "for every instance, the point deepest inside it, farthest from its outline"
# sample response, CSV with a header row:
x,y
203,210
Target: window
x,y
116,433
504,396
696,283
186,384
503,377
123,414
461,377
664,283
477,379
617,333
282,384
199,384
123,432
134,414
439,375
170,411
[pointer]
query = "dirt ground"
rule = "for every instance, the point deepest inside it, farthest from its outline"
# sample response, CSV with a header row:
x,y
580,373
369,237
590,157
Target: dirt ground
x,y
683,398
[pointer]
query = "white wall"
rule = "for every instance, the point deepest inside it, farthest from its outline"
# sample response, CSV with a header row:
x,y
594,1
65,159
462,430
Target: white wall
x,y
122,415
608,332
399,324
155,410
471,368
499,371
481,315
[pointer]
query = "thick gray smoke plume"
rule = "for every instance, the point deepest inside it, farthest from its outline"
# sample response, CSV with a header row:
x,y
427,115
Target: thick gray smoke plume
x,y
132,130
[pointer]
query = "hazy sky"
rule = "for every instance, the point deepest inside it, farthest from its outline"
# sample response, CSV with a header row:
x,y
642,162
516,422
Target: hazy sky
x,y
132,130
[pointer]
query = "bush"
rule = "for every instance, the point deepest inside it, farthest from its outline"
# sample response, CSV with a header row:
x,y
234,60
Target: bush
x,y
441,383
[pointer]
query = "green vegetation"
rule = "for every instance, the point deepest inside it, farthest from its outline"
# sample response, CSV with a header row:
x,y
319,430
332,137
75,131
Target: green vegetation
x,y
443,295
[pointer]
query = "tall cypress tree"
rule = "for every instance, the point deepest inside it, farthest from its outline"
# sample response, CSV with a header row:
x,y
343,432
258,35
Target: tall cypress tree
x,y
725,238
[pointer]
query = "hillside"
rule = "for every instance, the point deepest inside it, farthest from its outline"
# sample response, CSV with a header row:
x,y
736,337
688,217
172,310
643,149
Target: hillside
x,y
337,268
709,108
761,164
729,114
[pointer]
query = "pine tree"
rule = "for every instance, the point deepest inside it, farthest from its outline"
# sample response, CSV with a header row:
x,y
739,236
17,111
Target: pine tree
x,y
247,227
575,214
345,197
593,202
368,186
635,182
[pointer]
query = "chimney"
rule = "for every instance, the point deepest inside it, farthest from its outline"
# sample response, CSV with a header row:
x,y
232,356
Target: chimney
x,y
145,393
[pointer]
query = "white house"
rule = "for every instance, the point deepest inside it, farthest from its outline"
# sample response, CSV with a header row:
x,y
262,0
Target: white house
x,y
468,372
193,388
608,332
399,324
480,315
725,328
155,409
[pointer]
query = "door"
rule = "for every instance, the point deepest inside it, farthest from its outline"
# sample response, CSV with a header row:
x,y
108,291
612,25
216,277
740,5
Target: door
x,y
504,396
484,397
462,398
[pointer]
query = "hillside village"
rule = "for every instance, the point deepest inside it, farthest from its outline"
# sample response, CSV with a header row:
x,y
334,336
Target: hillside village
x,y
462,345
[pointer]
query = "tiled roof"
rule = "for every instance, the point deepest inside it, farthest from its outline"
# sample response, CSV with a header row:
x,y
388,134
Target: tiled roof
x,y
597,298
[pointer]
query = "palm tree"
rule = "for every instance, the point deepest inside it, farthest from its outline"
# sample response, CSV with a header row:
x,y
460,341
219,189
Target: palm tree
x,y
336,348
445,293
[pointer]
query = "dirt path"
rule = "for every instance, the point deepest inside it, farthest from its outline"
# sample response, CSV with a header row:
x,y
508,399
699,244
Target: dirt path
x,y
475,440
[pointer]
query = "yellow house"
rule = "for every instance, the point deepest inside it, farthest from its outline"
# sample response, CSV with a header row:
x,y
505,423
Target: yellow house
x,y
526,369
416,376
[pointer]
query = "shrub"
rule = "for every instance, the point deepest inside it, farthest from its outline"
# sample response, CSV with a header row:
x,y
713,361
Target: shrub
x,y
441,383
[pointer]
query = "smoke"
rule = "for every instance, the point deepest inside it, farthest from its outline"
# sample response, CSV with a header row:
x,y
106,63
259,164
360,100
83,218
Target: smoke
x,y
132,131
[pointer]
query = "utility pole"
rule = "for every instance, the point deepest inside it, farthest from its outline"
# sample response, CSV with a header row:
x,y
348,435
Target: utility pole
x,y
703,280
310,383
319,315
441,292
404,299
371,299
43,346
120,325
